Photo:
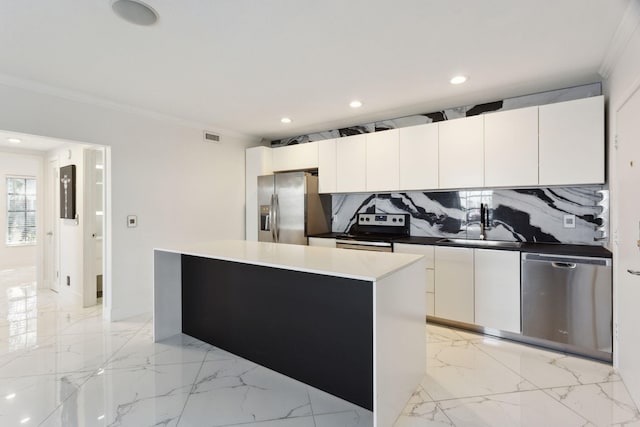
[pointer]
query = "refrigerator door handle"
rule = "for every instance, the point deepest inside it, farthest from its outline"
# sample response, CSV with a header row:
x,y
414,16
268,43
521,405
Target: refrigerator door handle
x,y
276,212
272,227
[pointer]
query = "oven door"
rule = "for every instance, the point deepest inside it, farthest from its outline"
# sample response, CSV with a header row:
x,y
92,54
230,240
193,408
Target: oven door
x,y
364,245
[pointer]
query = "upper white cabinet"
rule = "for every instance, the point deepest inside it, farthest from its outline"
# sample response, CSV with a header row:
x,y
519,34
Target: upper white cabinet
x,y
419,157
497,289
454,298
327,166
351,164
571,142
382,161
295,157
461,153
511,148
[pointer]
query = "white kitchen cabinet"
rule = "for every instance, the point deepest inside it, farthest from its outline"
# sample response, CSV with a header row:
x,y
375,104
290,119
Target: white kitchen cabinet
x,y
351,164
429,255
295,157
322,241
419,157
454,293
511,148
327,166
497,289
382,161
461,153
571,142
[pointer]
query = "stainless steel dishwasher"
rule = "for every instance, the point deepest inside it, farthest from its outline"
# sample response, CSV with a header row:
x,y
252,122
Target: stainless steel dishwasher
x,y
566,303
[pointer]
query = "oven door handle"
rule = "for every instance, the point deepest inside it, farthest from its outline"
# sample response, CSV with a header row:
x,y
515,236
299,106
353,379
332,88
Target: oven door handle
x,y
364,246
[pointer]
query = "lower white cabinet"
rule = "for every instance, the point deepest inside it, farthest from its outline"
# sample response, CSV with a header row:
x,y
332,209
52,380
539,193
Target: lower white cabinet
x,y
454,293
497,289
322,241
428,252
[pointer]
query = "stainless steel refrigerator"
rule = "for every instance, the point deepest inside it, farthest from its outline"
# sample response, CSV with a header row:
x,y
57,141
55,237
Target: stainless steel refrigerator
x,y
290,208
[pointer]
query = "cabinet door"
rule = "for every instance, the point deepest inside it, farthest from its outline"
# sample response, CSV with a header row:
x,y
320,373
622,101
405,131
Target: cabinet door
x,y
321,241
295,157
419,157
511,148
382,161
351,164
461,153
571,138
426,250
327,166
454,298
497,289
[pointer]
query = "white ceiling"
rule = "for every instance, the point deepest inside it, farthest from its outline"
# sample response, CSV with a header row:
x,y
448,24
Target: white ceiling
x,y
29,142
240,65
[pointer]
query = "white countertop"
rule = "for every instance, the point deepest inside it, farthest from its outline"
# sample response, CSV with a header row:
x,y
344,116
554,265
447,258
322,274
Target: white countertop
x,y
349,263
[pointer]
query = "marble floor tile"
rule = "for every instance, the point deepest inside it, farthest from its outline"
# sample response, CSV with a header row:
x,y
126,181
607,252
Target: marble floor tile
x,y
141,350
544,368
35,397
459,369
522,409
604,404
66,353
239,391
62,365
141,396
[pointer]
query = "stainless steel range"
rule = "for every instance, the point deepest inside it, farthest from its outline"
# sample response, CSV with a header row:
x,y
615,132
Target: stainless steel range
x,y
375,232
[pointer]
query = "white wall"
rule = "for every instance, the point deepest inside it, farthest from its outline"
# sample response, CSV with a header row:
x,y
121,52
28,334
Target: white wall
x,y
71,233
13,164
181,188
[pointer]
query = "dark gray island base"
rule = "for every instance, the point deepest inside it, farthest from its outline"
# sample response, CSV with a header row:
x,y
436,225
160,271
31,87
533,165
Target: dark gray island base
x,y
314,328
350,323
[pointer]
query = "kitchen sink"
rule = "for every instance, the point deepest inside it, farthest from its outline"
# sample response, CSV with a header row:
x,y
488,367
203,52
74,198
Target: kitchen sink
x,y
487,243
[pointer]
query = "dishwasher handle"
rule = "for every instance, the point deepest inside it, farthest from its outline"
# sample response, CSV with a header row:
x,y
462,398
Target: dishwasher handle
x,y
569,265
564,261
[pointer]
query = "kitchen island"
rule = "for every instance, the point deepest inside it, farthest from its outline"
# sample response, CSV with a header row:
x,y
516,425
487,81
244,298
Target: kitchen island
x,y
351,323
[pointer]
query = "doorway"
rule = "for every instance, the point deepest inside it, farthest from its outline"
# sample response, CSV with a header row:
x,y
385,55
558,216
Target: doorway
x,y
51,247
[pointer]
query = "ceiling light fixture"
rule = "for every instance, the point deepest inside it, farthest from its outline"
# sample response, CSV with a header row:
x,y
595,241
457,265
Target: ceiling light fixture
x,y
14,140
285,120
135,12
355,104
457,80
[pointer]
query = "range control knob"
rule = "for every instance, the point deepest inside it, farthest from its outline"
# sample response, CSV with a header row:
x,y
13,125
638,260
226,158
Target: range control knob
x,y
401,219
394,220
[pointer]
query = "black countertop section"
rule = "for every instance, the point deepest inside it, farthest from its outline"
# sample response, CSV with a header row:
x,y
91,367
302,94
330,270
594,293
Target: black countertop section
x,y
545,248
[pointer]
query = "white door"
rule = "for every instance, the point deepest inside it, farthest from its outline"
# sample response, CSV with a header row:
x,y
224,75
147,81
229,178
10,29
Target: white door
x,y
628,250
51,227
94,225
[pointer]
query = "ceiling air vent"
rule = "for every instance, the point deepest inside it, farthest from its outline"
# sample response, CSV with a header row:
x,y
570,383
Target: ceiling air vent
x,y
211,137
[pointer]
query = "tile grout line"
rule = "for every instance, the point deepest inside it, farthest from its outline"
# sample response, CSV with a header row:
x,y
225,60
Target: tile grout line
x,y
193,386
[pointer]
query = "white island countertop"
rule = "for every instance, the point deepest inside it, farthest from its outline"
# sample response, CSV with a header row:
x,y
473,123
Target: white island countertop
x,y
348,263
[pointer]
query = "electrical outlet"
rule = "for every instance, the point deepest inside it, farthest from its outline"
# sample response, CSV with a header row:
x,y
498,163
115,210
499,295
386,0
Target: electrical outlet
x,y
569,221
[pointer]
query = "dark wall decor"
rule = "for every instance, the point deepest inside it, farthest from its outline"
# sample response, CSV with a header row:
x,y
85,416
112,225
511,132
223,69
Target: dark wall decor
x,y
68,192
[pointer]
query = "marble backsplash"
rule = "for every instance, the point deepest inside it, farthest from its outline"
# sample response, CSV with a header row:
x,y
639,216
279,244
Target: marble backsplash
x,y
525,215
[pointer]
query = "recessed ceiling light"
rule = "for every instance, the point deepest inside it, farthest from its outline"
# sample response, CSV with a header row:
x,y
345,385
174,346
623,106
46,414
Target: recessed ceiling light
x,y
10,396
135,12
285,120
355,104
456,80
14,140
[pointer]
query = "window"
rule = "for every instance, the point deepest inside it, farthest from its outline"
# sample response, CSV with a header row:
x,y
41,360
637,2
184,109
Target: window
x,y
21,211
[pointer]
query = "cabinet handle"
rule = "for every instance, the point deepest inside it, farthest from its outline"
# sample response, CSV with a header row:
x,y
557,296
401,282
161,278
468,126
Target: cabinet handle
x,y
634,272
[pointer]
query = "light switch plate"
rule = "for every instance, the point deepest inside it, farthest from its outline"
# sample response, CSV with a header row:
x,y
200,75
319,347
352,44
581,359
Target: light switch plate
x,y
132,221
569,221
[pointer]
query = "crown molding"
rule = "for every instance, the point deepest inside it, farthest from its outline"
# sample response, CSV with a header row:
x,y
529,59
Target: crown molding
x,y
80,97
628,24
